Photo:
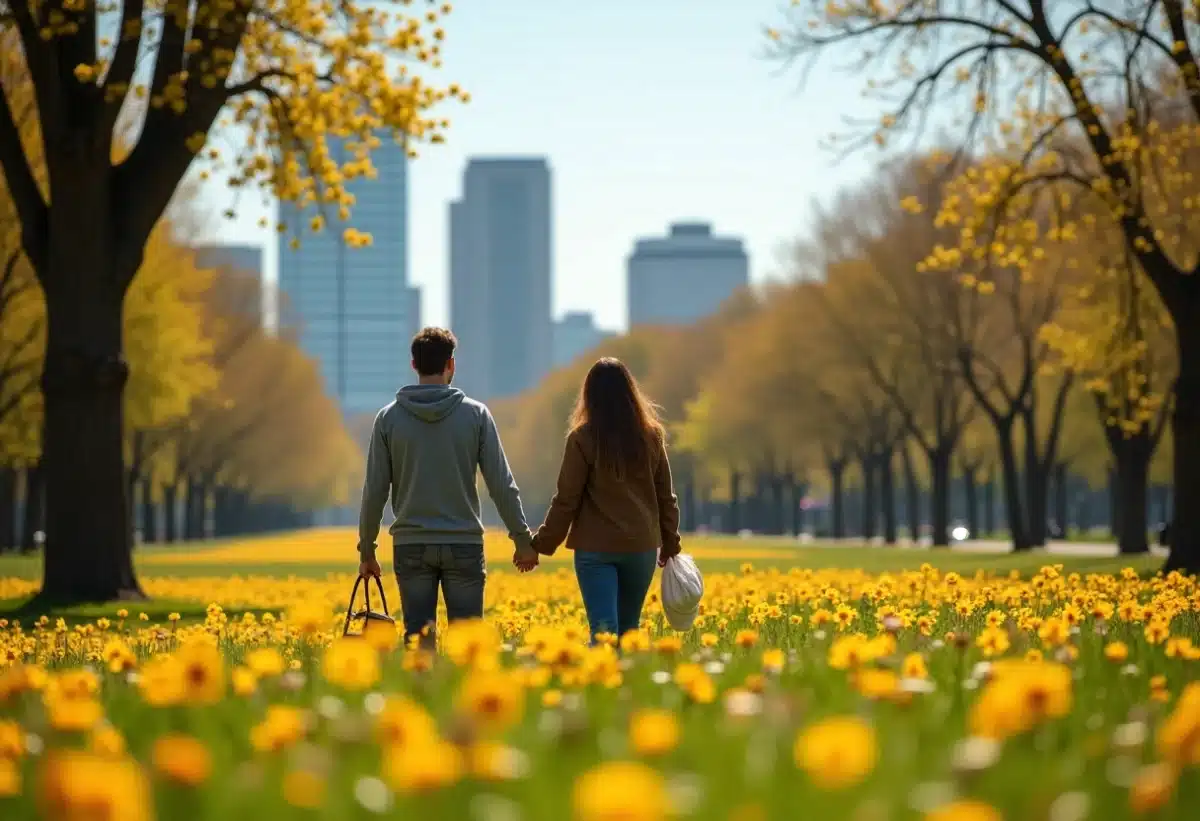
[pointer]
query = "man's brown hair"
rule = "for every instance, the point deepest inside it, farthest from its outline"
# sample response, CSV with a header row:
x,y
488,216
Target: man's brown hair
x,y
432,349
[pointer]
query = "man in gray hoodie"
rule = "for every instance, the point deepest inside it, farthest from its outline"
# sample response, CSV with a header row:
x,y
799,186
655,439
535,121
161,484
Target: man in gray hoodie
x,y
425,450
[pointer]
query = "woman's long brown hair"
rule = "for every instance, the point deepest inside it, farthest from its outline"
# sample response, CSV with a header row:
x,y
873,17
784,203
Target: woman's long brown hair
x,y
623,422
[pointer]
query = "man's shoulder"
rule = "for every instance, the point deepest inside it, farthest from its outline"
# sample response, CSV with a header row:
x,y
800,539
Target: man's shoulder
x,y
474,407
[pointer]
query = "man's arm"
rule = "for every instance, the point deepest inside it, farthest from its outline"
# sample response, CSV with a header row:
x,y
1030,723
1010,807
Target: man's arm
x,y
501,485
376,486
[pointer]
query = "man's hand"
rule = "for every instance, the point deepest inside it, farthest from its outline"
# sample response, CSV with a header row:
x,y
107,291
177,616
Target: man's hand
x,y
369,568
525,558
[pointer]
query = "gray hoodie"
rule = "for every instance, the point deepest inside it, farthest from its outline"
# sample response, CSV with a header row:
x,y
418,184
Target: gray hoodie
x,y
425,448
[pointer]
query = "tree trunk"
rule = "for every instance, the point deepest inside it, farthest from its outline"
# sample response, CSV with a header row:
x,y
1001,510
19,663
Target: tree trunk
x,y
1035,487
735,506
1062,500
1115,525
939,474
869,514
1132,456
1185,427
971,492
837,502
912,497
887,494
33,521
688,503
780,513
1012,487
8,509
149,514
194,507
88,554
989,505
170,506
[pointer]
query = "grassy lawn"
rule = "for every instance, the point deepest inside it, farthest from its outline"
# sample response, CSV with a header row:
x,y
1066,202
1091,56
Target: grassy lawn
x,y
318,554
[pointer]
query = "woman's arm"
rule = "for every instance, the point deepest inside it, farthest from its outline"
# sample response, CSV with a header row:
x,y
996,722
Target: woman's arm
x,y
668,505
572,479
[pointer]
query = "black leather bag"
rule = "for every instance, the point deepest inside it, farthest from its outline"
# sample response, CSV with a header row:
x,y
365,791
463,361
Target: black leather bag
x,y
366,614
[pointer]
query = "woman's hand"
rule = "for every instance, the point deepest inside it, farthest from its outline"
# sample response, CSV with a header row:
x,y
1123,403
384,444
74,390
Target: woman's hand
x,y
662,560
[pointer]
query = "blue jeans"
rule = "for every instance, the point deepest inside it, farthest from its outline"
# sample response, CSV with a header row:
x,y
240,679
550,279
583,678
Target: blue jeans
x,y
458,569
614,587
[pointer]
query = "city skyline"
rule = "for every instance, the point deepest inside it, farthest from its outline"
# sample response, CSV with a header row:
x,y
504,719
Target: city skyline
x,y
354,306
654,138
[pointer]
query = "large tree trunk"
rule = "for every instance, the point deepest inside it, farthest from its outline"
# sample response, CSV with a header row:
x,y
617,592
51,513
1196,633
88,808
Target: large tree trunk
x,y
170,506
837,502
735,502
887,494
989,504
1132,474
912,496
149,513
971,492
8,508
88,539
1062,501
939,474
33,520
1185,426
870,516
1035,487
1115,526
1012,487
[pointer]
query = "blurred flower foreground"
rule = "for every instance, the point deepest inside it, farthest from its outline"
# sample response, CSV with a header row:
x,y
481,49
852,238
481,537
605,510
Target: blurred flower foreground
x,y
817,694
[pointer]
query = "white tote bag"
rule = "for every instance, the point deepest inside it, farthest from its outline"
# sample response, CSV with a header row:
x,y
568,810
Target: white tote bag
x,y
682,589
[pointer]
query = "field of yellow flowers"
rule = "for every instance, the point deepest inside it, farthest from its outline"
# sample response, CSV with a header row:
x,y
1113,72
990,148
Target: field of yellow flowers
x,y
823,694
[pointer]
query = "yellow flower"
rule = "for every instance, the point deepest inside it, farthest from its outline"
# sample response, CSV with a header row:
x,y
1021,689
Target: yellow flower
x,y
118,657
494,761
12,740
966,810
773,661
653,732
837,752
746,639
282,726
73,715
10,778
351,665
304,789
620,791
493,700
182,759
106,740
914,666
76,785
202,670
403,722
1116,651
265,662
417,768
1152,788
993,641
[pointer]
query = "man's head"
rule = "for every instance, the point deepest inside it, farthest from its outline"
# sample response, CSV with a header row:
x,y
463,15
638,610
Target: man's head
x,y
433,355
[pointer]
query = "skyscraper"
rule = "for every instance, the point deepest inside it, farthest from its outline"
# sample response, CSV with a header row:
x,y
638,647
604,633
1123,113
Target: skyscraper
x,y
354,307
575,334
685,276
500,276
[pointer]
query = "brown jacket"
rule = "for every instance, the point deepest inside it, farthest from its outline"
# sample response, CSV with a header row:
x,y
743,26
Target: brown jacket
x,y
607,514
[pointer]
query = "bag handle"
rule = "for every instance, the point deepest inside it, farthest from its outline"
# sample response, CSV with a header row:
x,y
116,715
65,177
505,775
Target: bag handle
x,y
367,599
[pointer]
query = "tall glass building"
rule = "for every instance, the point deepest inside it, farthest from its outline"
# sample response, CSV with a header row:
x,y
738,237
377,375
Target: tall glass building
x,y
353,307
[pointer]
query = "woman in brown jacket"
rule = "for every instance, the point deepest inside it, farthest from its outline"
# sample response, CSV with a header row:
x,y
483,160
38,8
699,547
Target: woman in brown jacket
x,y
615,497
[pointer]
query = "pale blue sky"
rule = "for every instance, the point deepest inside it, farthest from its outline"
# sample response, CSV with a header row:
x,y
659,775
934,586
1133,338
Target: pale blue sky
x,y
649,111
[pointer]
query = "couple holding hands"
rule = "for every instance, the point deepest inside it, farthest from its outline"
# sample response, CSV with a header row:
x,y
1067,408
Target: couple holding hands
x,y
614,504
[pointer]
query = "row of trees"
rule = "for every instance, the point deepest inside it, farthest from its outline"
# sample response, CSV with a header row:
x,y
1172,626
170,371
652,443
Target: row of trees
x,y
884,364
1070,124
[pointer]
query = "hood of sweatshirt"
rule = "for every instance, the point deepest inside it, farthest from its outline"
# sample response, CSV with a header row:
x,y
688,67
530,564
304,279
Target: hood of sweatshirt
x,y
429,403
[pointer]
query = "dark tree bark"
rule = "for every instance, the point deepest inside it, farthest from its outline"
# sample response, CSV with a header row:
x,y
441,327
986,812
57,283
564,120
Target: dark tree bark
x,y
912,496
170,513
688,504
1062,500
971,494
989,505
1115,525
1012,486
8,509
939,473
1130,484
735,502
34,519
869,512
887,495
149,514
837,482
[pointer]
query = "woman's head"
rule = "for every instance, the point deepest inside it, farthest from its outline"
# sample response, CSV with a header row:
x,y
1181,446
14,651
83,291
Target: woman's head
x,y
622,420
